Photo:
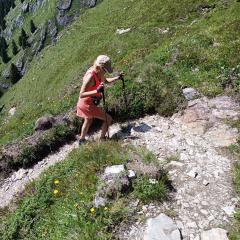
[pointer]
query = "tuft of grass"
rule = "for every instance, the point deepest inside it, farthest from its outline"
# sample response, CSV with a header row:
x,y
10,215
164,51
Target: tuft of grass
x,y
147,189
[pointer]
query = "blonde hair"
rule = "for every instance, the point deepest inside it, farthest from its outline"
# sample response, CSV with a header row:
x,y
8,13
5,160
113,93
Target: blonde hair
x,y
97,66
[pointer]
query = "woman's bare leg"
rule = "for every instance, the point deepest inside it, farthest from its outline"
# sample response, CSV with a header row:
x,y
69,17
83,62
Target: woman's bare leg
x,y
87,123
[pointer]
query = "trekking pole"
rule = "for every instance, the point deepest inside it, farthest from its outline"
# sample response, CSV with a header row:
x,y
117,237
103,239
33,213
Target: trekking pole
x,y
105,110
124,93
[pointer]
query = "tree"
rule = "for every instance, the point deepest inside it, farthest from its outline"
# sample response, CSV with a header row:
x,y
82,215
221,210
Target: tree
x,y
15,75
3,50
14,48
22,40
32,27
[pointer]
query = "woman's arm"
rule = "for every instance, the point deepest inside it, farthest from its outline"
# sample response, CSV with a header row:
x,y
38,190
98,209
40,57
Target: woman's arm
x,y
86,83
113,79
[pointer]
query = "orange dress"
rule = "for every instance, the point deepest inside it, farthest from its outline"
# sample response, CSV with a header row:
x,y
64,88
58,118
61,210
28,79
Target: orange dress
x,y
85,106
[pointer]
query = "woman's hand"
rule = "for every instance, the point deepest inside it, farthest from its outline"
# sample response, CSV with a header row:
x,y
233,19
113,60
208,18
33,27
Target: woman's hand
x,y
100,88
121,75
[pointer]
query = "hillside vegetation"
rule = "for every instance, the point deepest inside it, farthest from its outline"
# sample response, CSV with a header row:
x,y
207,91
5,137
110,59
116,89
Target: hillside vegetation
x,y
188,43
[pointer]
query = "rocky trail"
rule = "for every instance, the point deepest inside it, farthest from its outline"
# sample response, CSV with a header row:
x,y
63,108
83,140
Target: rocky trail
x,y
190,145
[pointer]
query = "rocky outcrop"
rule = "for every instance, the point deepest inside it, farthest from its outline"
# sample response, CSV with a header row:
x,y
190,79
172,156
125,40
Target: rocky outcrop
x,y
40,37
113,182
6,74
63,7
87,3
25,7
34,6
19,21
52,30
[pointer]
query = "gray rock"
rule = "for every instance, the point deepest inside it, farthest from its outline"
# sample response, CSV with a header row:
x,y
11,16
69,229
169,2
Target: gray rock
x,y
12,111
64,4
113,170
190,93
39,45
99,201
52,30
25,7
122,31
19,21
87,3
19,64
112,184
215,233
6,74
131,174
20,174
44,123
161,228
4,85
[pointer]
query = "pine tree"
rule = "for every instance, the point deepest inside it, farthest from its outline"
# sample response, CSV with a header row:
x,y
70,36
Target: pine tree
x,y
13,3
32,26
3,50
14,48
15,75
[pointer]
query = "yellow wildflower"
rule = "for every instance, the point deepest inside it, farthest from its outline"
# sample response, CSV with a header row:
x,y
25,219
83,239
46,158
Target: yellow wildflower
x,y
56,181
55,191
92,210
106,208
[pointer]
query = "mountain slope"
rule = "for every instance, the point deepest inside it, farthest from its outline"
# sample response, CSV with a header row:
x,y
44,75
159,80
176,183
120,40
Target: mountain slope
x,y
190,43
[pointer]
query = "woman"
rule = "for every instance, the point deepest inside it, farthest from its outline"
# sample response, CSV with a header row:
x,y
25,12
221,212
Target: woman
x,y
91,93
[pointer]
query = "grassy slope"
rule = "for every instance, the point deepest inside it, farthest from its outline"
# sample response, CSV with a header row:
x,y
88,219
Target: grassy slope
x,y
66,214
142,53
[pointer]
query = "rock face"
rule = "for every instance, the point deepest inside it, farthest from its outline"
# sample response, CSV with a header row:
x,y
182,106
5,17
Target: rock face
x,y
39,45
63,6
215,233
44,123
161,228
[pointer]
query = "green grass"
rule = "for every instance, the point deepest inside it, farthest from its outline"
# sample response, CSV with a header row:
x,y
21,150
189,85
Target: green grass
x,y
148,190
58,205
49,86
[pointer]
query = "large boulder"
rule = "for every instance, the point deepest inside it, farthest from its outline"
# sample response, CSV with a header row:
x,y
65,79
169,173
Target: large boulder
x,y
162,227
44,123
